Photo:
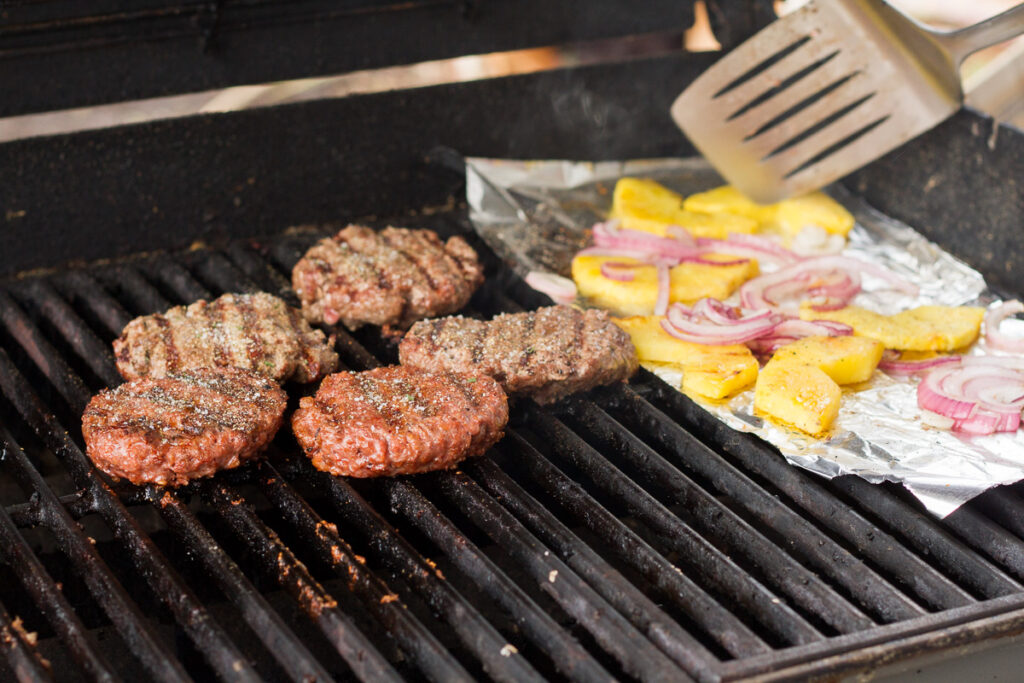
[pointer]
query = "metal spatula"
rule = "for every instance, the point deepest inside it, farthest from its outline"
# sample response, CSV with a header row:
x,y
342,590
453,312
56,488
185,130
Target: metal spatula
x,y
823,91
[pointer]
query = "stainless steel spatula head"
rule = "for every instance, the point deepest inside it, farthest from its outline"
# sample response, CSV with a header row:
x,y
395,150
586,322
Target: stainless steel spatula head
x,y
826,89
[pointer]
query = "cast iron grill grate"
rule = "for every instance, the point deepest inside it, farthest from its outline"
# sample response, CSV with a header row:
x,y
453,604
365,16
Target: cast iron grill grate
x,y
623,533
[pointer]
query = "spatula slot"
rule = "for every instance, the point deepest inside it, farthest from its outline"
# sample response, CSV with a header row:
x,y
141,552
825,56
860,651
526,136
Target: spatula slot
x,y
781,87
800,106
820,125
835,147
763,66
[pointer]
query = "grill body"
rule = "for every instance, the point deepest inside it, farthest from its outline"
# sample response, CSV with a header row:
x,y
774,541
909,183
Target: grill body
x,y
623,533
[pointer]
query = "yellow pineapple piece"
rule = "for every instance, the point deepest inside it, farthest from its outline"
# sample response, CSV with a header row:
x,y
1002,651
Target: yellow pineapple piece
x,y
787,217
799,386
798,395
926,328
689,282
816,208
727,199
715,372
642,204
847,360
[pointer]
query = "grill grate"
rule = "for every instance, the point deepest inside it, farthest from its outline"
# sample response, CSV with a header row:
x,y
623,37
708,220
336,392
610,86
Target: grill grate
x,y
620,534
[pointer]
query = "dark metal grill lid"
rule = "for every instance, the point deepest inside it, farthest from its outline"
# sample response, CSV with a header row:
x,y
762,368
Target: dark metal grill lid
x,y
623,533
115,51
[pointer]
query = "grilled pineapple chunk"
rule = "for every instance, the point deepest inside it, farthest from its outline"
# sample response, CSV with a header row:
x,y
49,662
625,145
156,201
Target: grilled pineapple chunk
x,y
787,217
800,384
715,372
642,204
689,282
801,396
816,208
847,360
926,328
727,199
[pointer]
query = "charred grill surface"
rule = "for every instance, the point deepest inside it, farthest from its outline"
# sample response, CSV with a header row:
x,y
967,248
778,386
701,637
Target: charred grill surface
x,y
619,534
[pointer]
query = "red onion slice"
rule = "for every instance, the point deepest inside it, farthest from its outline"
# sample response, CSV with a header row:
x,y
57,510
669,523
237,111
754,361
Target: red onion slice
x,y
609,227
696,333
812,328
766,346
635,240
618,271
909,367
980,397
713,262
835,277
721,313
561,289
983,422
994,317
760,248
930,396
646,246
684,323
664,288
789,331
680,234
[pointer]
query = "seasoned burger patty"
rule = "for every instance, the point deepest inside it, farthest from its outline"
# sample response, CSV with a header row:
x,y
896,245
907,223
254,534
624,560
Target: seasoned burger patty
x,y
392,277
256,332
171,429
398,420
547,353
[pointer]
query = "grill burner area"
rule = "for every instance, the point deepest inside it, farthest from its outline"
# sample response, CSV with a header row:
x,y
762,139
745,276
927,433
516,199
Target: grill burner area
x,y
621,533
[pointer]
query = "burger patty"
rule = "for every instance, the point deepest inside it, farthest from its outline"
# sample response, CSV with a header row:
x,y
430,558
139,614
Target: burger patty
x,y
392,277
171,429
546,354
398,420
256,332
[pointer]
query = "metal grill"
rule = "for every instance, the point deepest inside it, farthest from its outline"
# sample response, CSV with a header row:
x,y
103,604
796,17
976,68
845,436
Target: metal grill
x,y
623,533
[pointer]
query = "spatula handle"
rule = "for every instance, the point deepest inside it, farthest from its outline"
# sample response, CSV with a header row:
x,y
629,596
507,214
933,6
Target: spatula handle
x,y
969,40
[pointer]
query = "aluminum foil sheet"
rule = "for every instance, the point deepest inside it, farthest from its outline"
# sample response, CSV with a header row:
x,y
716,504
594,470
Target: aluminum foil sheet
x,y
536,214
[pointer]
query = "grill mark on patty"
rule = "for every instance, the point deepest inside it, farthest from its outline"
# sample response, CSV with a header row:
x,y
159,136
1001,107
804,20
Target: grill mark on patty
x,y
219,325
250,320
453,267
257,332
479,339
366,260
435,328
148,410
294,322
463,384
191,411
173,359
419,405
576,350
529,338
390,240
370,392
460,264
